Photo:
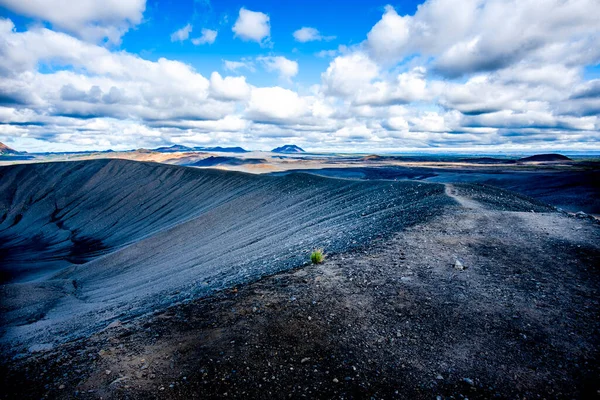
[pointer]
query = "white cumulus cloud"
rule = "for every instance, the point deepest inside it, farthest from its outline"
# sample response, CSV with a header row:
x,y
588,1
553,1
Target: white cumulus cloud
x,y
182,34
286,68
467,36
88,19
234,66
228,88
275,103
349,74
308,34
208,37
252,26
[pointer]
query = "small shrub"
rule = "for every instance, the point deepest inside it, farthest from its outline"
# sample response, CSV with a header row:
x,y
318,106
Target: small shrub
x,y
317,256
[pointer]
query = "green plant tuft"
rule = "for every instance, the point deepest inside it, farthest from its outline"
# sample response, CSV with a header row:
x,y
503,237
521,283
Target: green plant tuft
x,y
317,256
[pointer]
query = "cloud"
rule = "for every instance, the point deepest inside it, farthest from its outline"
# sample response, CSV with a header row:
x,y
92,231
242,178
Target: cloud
x,y
106,84
228,88
390,36
342,49
538,120
356,78
405,88
182,34
208,37
87,19
286,69
355,133
69,93
252,26
349,74
234,66
275,103
488,75
230,123
327,53
471,36
396,124
307,34
589,90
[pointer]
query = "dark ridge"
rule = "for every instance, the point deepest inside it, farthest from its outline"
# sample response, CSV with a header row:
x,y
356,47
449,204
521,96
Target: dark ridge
x,y
487,160
15,157
140,236
214,161
545,157
377,158
370,173
499,199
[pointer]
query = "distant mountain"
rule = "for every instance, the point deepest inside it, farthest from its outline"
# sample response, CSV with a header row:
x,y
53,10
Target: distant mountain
x,y
545,157
179,148
173,149
288,148
4,149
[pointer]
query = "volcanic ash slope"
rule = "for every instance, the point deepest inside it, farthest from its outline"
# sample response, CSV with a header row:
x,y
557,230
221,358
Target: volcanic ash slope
x,y
85,243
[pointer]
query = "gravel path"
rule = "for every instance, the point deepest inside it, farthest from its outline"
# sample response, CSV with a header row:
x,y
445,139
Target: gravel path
x,y
465,202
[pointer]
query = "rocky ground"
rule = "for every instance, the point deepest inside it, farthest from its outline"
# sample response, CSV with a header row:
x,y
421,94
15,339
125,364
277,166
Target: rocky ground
x,y
516,317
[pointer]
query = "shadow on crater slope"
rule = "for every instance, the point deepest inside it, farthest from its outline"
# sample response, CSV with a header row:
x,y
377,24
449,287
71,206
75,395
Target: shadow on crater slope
x,y
84,243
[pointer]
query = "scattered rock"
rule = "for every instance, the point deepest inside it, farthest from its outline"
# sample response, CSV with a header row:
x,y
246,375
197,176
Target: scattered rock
x,y
469,381
121,379
581,214
459,265
305,359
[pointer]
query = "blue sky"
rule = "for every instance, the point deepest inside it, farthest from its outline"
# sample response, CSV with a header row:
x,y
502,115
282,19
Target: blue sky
x,y
436,75
151,39
352,19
